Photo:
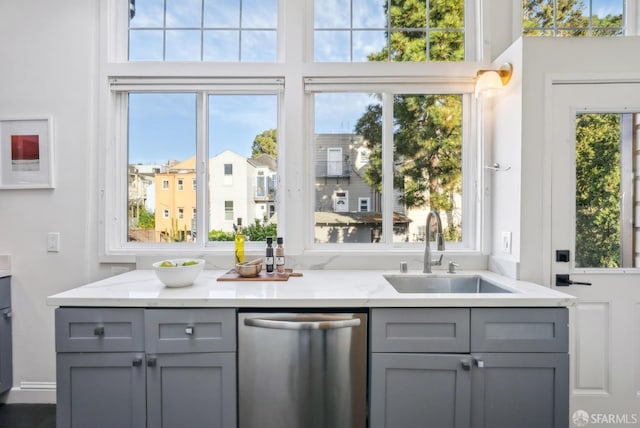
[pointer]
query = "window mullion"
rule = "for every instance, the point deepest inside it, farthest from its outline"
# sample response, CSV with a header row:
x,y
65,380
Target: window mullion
x,y
202,175
387,168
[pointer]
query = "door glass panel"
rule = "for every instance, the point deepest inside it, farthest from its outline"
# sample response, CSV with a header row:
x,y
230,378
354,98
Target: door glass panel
x,y
607,199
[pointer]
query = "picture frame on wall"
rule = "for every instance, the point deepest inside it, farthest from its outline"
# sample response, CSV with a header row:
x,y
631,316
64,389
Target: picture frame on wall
x,y
26,153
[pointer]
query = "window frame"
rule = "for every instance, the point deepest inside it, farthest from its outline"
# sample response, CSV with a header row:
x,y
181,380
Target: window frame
x,y
295,207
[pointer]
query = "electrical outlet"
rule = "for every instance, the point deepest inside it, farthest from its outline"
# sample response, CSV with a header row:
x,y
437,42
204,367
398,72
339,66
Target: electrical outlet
x,y
506,243
53,242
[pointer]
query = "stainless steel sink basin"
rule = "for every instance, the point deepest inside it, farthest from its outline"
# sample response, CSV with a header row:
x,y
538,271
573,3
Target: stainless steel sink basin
x,y
407,283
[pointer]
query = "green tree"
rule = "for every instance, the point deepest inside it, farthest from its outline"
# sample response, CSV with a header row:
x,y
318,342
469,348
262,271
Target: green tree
x,y
219,235
146,220
427,128
540,19
265,143
598,190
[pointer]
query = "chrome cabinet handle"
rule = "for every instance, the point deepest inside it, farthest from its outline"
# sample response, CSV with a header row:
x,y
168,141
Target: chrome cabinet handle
x,y
151,362
189,330
466,365
137,362
310,322
98,331
479,363
6,314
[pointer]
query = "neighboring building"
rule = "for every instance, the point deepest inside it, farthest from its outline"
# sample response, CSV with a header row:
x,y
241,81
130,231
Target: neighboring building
x,y
265,186
175,191
347,207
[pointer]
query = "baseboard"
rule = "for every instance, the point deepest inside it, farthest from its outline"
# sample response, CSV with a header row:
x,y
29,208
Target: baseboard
x,y
32,393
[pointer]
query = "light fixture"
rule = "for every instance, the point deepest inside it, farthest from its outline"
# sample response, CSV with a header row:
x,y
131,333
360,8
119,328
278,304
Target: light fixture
x,y
491,82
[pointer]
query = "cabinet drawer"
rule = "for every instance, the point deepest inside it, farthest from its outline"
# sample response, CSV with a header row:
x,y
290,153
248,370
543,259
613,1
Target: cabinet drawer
x,y
420,330
519,330
190,330
99,330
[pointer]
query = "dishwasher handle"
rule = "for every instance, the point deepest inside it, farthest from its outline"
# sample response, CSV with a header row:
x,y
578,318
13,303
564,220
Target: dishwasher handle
x,y
303,323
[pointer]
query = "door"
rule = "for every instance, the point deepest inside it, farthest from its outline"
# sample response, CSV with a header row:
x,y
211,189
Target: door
x,y
334,162
591,148
523,390
191,390
100,390
420,390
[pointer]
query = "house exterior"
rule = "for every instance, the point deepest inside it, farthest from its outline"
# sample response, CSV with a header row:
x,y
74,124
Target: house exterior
x,y
175,207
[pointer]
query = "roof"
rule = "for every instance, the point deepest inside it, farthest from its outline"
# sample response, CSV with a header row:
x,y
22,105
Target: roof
x,y
337,218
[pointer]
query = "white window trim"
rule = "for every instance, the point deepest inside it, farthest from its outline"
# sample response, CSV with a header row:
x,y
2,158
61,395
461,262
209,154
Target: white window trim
x,y
293,158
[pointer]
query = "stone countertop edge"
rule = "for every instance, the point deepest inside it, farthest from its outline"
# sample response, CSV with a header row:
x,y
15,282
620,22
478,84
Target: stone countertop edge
x,y
315,289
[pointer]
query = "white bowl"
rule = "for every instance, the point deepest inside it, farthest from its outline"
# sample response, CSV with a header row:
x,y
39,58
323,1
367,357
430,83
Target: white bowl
x,y
178,275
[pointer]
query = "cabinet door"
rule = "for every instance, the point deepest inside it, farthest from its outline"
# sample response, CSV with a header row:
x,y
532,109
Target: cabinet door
x,y
191,390
420,390
520,390
6,353
100,390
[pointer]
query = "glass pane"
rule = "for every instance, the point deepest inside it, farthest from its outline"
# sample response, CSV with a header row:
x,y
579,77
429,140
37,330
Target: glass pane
x,y
184,14
258,46
148,14
145,45
262,14
331,14
408,46
605,227
222,13
242,165
347,147
183,45
370,14
332,46
367,43
221,45
427,165
446,46
446,14
162,149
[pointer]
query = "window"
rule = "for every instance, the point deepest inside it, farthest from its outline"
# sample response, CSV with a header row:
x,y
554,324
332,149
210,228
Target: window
x,y
228,210
180,213
424,156
363,204
389,30
347,134
571,18
203,30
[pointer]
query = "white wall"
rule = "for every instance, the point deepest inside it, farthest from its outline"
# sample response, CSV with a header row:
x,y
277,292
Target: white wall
x,y
48,66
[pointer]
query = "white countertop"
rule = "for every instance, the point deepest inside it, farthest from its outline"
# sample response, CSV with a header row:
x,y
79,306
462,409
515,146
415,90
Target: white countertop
x,y
316,288
4,272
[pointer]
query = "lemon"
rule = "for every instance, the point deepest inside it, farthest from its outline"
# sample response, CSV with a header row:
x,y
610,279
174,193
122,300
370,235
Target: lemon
x,y
167,263
190,263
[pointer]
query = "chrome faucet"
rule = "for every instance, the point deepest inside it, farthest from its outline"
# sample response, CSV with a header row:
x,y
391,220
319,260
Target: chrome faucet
x,y
439,242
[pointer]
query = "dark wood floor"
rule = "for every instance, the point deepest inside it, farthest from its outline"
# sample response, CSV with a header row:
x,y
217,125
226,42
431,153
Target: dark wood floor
x,y
27,415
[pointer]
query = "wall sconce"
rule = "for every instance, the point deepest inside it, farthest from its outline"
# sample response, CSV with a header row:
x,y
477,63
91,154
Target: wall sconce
x,y
491,82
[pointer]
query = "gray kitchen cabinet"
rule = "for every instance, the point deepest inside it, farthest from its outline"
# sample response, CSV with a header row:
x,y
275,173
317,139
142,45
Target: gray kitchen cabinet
x,y
6,350
515,371
151,368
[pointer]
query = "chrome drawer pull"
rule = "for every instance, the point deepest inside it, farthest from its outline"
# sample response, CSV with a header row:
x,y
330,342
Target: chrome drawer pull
x,y
98,331
189,331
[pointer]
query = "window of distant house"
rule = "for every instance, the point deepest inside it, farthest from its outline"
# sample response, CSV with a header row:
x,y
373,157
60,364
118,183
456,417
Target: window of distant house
x,y
389,30
203,30
180,184
363,204
165,213
180,213
165,184
228,210
572,18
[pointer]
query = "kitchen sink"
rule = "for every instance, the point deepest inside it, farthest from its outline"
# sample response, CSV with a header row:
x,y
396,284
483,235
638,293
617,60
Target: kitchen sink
x,y
407,283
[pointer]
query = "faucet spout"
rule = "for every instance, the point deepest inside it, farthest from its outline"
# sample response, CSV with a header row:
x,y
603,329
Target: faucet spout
x,y
439,238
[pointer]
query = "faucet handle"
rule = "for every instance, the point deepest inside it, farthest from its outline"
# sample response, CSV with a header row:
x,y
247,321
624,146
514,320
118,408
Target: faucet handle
x,y
439,261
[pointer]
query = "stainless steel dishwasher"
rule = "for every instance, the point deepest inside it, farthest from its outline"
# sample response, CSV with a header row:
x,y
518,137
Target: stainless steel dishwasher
x,y
302,370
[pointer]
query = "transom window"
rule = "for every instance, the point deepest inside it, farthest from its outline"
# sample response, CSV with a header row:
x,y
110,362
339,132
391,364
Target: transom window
x,y
203,30
571,18
389,30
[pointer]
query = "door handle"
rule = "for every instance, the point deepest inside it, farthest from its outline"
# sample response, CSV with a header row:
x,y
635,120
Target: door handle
x,y
307,322
466,365
563,280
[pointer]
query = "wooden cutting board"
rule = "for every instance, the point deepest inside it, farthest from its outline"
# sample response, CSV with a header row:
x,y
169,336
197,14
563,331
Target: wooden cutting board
x,y
232,275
